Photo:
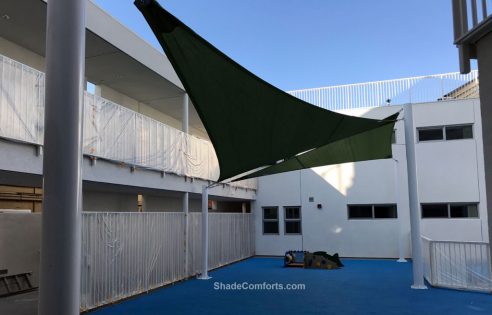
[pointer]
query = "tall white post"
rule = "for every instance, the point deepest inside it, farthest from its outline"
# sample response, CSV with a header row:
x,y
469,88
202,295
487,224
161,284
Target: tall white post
x,y
186,232
417,260
401,236
204,275
59,291
184,121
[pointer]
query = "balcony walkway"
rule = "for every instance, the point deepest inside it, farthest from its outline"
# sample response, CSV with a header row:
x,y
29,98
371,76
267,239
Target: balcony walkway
x,y
361,287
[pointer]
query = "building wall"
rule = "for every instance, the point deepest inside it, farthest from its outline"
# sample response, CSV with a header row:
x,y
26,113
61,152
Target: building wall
x,y
484,47
20,240
448,171
109,201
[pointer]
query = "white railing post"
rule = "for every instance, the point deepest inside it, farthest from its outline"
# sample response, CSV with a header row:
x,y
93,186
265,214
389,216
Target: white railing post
x,y
204,274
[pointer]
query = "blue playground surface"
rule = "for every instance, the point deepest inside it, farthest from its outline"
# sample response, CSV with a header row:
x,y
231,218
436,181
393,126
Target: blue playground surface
x,y
361,287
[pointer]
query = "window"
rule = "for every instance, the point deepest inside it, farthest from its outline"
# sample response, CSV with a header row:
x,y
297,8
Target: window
x,y
459,132
445,133
463,211
360,212
438,210
385,212
450,210
270,220
292,220
372,211
430,134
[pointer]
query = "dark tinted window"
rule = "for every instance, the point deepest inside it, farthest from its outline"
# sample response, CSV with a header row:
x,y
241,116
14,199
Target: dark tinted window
x,y
359,212
270,227
464,211
385,211
459,132
270,220
270,213
292,227
439,210
430,134
292,213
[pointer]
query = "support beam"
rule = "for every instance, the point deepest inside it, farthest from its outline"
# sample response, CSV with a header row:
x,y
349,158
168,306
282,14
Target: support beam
x,y
186,231
61,223
185,124
204,274
417,260
401,234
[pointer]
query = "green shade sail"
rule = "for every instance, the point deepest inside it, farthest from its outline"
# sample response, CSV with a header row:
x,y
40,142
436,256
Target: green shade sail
x,y
253,124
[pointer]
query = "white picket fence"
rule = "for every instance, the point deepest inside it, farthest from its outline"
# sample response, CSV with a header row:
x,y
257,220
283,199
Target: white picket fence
x,y
457,265
124,254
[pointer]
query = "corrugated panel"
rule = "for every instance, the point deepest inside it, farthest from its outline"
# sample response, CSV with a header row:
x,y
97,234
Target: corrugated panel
x,y
124,253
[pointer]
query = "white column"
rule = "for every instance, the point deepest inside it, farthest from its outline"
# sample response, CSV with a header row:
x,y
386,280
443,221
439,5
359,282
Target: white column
x,y
187,224
184,121
204,275
401,235
417,260
59,291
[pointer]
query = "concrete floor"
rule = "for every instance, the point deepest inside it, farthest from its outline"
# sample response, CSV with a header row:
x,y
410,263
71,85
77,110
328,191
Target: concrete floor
x,y
19,304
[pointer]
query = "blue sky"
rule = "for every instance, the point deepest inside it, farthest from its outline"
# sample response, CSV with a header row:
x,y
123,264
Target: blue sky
x,y
296,44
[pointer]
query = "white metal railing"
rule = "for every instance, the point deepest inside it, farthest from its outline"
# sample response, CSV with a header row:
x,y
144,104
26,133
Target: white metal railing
x,y
421,89
124,254
111,131
457,265
469,14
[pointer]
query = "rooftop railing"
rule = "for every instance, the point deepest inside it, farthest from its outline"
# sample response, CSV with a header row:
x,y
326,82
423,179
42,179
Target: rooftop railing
x,y
111,131
421,89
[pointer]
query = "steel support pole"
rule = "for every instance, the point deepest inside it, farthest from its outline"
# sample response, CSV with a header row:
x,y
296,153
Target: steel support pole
x,y
204,274
401,236
59,292
184,121
187,237
417,260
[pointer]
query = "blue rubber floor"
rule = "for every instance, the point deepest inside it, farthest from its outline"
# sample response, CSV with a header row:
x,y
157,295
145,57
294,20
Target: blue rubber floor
x,y
361,287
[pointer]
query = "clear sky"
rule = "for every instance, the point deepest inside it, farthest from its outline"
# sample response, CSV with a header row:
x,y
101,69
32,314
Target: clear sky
x,y
297,44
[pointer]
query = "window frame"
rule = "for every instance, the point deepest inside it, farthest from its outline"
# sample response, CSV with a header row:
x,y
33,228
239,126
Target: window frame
x,y
443,129
292,220
373,211
277,220
448,206
459,125
431,128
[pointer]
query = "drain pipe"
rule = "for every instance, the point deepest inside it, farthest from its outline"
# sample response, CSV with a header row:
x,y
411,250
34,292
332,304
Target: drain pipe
x,y
417,260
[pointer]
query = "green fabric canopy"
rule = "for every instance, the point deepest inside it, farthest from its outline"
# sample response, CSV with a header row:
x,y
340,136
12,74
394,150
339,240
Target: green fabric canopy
x,y
253,124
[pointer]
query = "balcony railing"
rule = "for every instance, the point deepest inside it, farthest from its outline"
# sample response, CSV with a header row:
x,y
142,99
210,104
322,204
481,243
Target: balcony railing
x,y
421,89
111,131
457,265
469,14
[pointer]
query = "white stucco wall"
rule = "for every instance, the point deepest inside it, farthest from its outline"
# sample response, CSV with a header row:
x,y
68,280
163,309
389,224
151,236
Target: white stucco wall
x,y
448,171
